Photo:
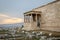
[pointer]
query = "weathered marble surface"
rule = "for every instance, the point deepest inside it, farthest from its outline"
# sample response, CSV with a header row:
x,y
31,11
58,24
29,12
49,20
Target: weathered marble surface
x,y
50,17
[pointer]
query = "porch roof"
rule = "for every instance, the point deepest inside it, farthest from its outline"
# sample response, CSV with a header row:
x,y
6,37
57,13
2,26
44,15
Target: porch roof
x,y
32,12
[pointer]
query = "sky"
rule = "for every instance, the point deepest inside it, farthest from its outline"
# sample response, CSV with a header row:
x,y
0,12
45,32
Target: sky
x,y
11,11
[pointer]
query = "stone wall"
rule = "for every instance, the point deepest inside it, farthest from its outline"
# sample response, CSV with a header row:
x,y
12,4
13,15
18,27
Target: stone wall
x,y
50,16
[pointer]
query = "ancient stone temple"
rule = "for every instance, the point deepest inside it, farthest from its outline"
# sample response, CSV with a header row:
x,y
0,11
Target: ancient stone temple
x,y
46,17
32,20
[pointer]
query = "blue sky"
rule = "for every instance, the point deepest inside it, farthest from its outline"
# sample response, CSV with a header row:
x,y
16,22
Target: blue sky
x,y
16,8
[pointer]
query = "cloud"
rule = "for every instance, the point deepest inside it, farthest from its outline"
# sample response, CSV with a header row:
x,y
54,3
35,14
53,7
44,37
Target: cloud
x,y
2,15
5,19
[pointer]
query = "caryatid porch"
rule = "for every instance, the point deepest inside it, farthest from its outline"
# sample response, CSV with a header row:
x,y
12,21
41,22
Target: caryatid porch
x,y
32,20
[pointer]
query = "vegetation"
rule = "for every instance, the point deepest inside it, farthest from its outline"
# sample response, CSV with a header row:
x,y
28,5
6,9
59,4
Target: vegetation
x,y
3,31
22,35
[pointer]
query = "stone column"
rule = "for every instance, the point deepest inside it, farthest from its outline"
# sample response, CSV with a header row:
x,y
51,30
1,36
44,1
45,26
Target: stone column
x,y
24,18
36,20
31,19
28,18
